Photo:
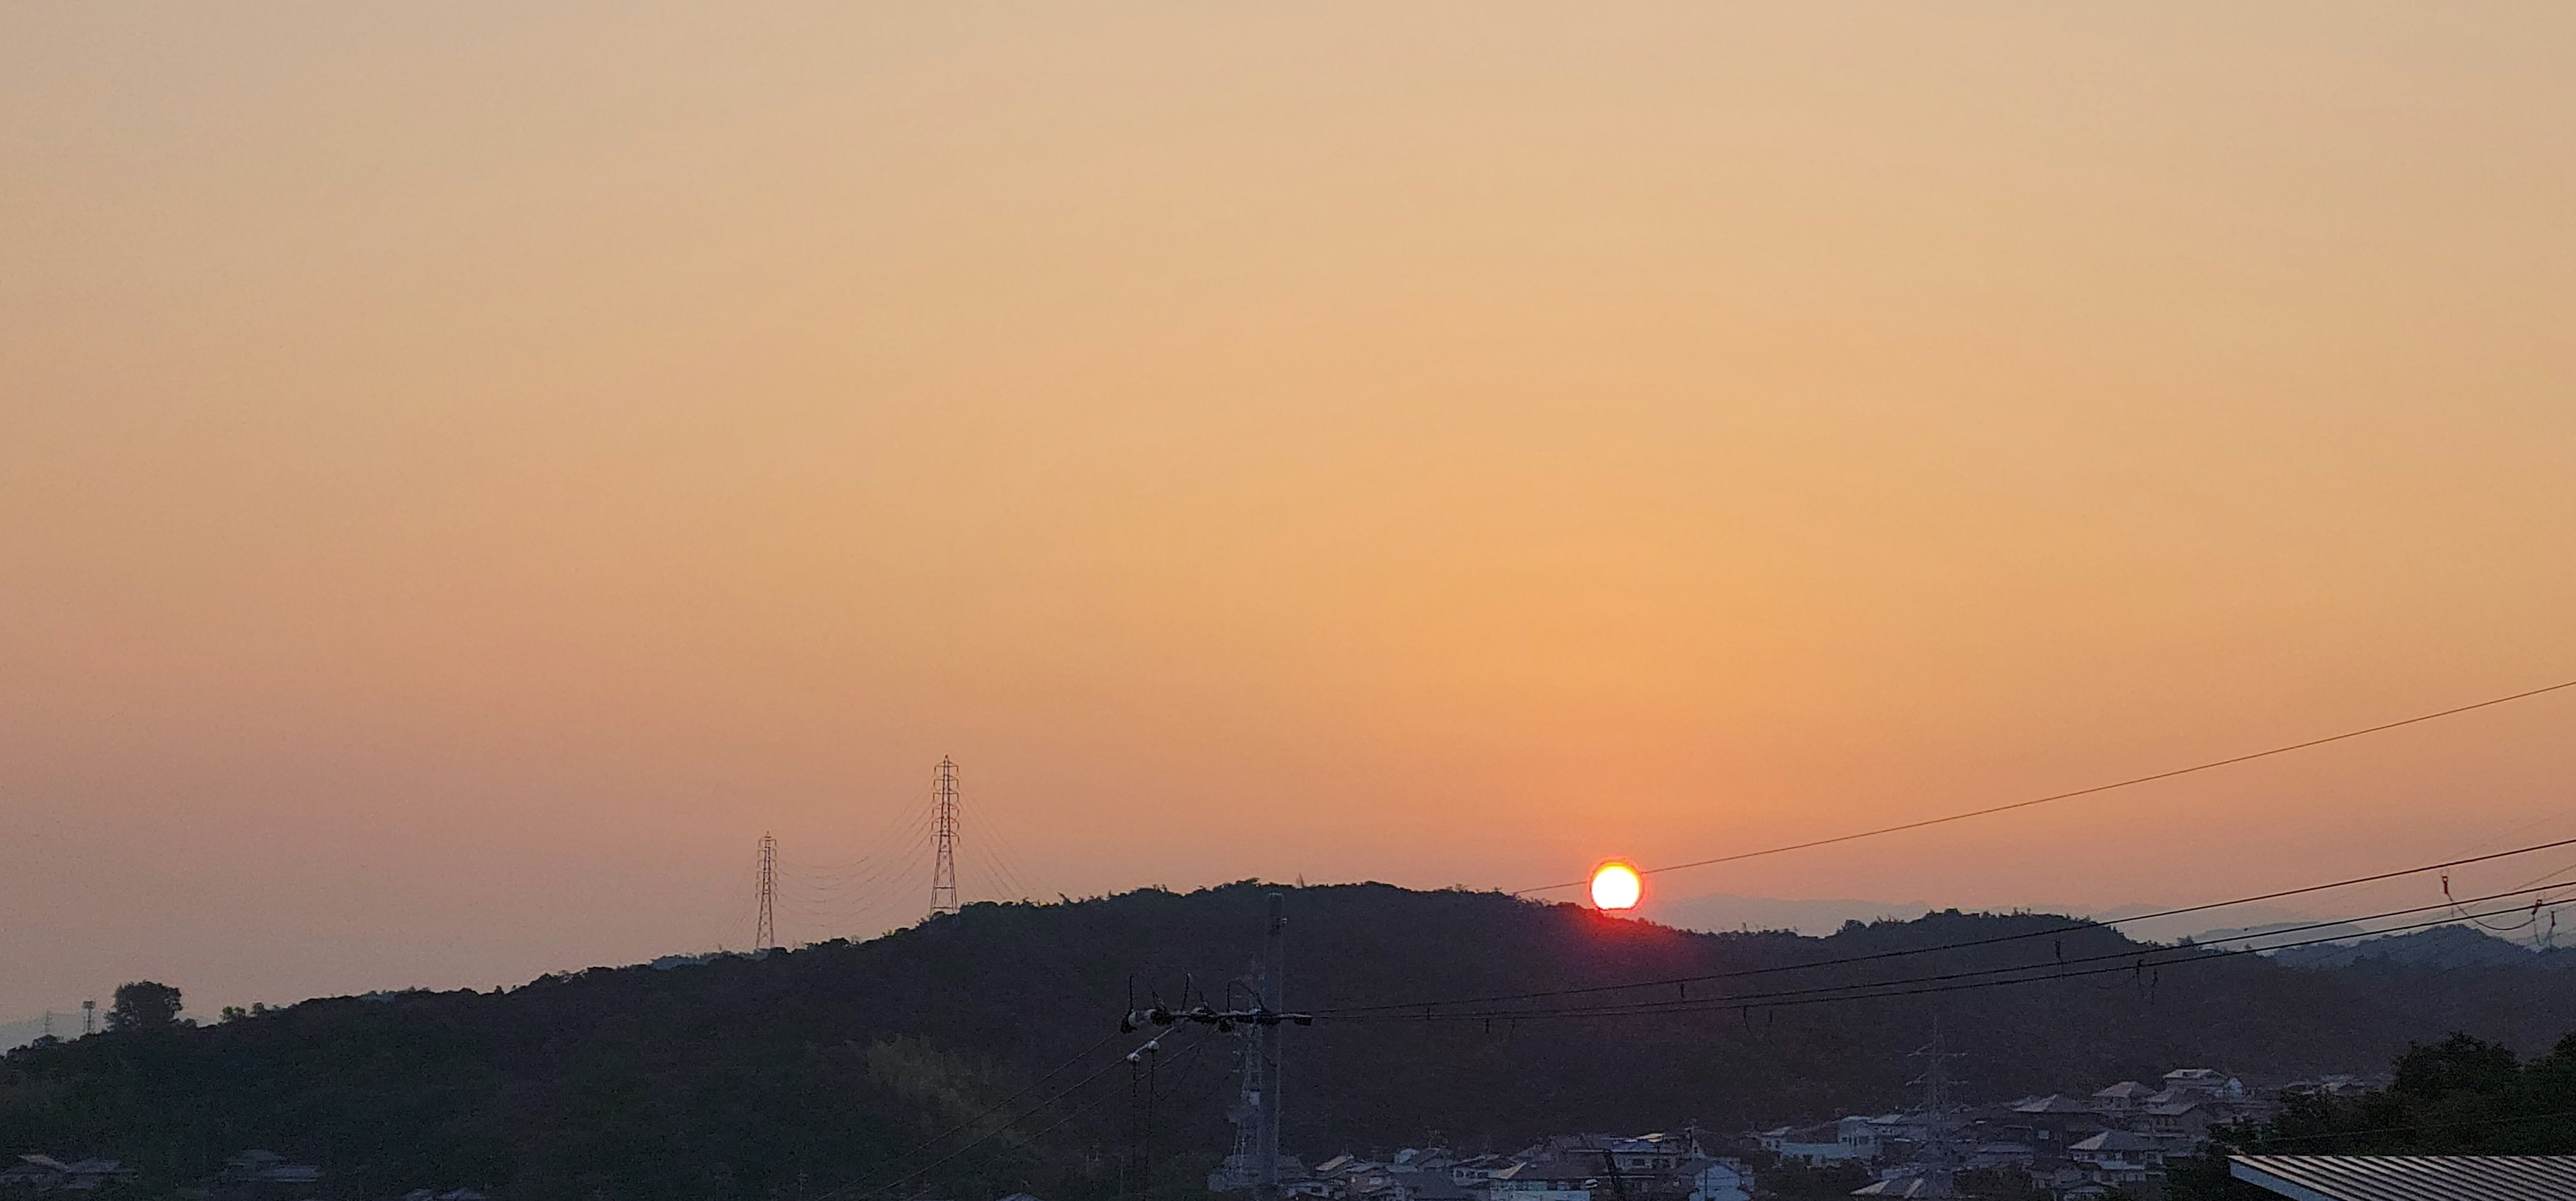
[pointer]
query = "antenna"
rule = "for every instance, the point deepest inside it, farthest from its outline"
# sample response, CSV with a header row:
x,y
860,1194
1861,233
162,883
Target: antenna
x,y
89,1017
943,863
764,933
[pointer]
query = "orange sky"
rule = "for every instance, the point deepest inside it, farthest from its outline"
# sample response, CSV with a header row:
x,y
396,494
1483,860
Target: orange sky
x,y
466,471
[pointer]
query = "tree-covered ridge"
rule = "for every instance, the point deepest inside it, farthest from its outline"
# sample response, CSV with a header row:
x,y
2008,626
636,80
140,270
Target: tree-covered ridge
x,y
832,1065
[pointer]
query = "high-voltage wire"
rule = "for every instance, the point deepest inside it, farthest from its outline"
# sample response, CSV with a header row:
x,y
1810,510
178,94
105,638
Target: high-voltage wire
x,y
2070,928
2132,961
996,1131
2080,792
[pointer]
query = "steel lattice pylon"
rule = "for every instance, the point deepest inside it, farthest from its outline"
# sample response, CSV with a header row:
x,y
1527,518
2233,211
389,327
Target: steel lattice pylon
x,y
943,861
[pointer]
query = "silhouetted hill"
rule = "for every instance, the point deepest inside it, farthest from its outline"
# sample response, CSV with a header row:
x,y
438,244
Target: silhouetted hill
x,y
831,1064
2440,947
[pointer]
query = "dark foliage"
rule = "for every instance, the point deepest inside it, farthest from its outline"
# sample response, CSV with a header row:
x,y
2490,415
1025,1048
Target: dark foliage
x,y
2458,1096
800,1073
144,1005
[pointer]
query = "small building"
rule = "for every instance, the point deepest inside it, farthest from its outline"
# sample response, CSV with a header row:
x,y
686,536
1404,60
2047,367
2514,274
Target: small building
x,y
1542,1180
85,1175
2204,1082
34,1173
2122,1097
1718,1180
1473,1171
1815,1145
2188,1120
2119,1157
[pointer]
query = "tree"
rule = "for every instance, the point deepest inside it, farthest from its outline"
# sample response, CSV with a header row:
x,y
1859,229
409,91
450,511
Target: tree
x,y
144,1005
2458,1064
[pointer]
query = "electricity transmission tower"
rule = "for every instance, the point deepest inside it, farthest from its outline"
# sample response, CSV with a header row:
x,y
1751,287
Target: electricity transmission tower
x,y
764,935
1936,1072
943,861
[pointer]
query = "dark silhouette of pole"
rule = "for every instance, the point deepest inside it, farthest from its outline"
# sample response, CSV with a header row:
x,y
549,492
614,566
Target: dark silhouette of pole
x,y
1273,976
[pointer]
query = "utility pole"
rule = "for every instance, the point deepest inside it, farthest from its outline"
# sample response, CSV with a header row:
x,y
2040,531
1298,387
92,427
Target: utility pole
x,y
1274,974
764,933
943,860
1610,1168
1255,1114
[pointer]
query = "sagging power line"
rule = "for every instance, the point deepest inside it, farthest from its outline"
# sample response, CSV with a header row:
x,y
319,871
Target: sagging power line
x,y
2080,792
1990,940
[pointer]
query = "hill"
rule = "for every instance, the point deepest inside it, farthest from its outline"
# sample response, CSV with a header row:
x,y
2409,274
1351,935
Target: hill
x,y
2439,947
829,1066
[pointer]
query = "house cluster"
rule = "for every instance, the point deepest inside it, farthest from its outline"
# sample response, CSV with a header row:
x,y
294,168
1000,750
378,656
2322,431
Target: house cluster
x,y
249,1176
2071,1147
1571,1167
46,1174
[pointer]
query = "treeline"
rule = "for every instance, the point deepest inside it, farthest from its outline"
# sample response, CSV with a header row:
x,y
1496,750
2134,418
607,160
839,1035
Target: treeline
x,y
2460,1096
818,1074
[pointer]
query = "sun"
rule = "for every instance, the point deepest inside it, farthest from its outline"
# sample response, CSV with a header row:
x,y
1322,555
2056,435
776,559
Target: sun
x,y
1616,885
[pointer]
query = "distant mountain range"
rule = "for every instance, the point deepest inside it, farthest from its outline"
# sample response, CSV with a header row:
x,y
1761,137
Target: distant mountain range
x,y
2439,947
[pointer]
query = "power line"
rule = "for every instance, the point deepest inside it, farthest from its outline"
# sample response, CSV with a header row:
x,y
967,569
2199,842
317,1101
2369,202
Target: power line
x,y
2062,796
989,1111
980,1139
2111,923
1951,982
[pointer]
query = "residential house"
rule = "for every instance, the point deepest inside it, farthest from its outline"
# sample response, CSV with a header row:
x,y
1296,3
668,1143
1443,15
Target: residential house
x,y
84,1175
1718,1180
1429,1185
2119,1157
2204,1082
33,1173
1542,1180
2187,1121
2123,1097
1473,1171
2052,1123
1814,1145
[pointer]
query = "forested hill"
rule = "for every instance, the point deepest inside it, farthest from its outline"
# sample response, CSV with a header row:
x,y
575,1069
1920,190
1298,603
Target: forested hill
x,y
830,1065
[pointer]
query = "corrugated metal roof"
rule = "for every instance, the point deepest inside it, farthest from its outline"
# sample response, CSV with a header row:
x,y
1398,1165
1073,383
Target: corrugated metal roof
x,y
2411,1177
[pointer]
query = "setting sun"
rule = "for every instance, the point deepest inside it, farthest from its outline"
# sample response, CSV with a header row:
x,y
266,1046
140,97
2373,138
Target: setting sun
x,y
1616,885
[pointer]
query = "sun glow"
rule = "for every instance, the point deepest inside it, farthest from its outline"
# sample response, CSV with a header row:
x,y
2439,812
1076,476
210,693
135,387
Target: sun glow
x,y
1616,885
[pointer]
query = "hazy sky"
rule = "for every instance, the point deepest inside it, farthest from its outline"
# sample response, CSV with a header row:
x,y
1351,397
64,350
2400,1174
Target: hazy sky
x,y
466,471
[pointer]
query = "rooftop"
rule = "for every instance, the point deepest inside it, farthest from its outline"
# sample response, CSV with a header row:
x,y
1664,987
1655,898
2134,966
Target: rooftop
x,y
2410,1177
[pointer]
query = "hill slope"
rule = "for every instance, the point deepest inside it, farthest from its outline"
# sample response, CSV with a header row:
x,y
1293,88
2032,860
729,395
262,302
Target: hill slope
x,y
830,1065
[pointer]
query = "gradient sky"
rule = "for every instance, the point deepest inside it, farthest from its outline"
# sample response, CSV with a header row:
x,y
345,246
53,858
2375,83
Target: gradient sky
x,y
467,470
